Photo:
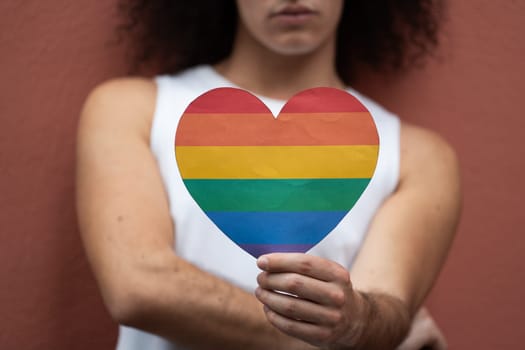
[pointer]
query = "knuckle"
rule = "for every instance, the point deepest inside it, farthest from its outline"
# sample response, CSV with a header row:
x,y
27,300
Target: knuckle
x,y
288,327
261,293
291,308
293,283
337,297
335,318
305,267
272,317
341,274
269,314
324,335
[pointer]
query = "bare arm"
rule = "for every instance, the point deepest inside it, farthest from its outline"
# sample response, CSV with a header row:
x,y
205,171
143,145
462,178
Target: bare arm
x,y
128,235
396,267
412,233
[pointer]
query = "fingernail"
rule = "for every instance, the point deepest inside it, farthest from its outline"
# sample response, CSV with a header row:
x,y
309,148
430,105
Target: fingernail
x,y
262,262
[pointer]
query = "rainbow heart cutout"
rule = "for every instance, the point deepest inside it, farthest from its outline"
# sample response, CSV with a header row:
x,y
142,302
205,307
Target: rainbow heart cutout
x,y
276,184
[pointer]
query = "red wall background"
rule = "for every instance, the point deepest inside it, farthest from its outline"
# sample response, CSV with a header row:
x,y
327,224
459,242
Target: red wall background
x,y
52,53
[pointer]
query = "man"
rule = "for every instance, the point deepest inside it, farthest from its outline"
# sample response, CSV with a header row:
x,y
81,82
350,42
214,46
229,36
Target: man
x,y
136,220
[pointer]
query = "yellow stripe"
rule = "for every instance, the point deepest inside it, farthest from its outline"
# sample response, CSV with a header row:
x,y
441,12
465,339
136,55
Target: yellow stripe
x,y
276,162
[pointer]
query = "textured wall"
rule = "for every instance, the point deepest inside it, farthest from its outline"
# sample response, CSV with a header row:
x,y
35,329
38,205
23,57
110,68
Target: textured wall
x,y
52,53
473,97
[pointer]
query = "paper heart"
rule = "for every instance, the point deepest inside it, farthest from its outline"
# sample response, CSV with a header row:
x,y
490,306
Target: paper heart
x,y
276,184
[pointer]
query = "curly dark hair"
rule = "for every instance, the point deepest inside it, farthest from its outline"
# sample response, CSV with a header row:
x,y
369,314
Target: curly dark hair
x,y
173,35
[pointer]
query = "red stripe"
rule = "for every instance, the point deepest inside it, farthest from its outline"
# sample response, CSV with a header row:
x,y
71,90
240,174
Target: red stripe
x,y
323,100
226,100
316,100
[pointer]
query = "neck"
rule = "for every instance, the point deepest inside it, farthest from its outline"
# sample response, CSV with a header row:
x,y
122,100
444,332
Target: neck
x,y
262,71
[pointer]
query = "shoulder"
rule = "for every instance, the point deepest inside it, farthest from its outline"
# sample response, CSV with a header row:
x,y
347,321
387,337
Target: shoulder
x,y
427,158
126,103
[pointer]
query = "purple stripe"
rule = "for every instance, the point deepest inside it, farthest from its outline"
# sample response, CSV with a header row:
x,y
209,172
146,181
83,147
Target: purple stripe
x,y
257,250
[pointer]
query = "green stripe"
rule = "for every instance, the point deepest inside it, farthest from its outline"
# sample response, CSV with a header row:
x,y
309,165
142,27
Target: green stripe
x,y
277,195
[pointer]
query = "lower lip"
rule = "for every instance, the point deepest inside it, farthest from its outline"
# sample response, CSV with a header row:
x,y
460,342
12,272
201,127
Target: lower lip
x,y
294,20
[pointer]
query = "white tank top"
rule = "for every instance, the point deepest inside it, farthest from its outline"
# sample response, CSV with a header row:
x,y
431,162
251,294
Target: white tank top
x,y
200,242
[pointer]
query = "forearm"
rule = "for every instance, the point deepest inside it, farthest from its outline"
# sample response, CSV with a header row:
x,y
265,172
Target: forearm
x,y
384,321
125,223
187,305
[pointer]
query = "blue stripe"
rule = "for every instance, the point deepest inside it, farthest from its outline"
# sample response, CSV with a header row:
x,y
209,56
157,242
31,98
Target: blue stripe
x,y
308,227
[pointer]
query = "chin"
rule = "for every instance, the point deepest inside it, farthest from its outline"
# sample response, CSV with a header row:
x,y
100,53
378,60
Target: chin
x,y
294,51
295,46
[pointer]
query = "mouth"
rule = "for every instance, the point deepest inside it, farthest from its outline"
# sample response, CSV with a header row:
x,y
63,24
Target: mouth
x,y
293,14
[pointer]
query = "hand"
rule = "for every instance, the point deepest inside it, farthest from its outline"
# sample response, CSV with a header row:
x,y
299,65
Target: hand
x,y
308,297
424,333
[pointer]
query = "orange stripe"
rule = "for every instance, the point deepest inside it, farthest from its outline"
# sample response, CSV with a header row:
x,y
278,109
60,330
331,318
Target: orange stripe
x,y
304,129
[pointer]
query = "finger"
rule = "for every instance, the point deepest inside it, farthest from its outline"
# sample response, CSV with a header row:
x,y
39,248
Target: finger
x,y
436,340
424,333
440,342
305,287
308,332
298,309
413,341
304,264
